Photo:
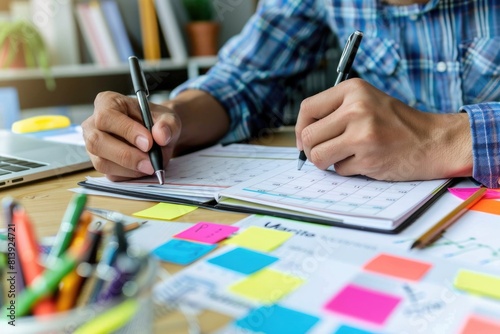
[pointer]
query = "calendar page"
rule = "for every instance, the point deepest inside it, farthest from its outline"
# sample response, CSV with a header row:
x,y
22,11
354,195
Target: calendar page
x,y
199,176
354,200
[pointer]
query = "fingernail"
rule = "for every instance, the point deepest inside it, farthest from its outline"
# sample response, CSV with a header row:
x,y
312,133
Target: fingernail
x,y
142,143
168,135
145,167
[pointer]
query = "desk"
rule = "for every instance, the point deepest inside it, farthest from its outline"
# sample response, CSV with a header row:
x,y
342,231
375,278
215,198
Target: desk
x,y
46,201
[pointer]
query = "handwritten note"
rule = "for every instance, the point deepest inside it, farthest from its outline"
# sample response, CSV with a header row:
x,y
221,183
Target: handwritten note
x,y
259,238
209,233
165,211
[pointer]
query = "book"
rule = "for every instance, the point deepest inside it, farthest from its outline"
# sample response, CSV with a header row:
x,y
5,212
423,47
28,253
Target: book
x,y
96,34
265,180
56,22
149,30
171,17
130,14
117,28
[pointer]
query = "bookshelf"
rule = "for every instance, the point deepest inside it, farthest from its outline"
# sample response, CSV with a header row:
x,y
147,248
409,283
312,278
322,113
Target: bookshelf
x,y
80,82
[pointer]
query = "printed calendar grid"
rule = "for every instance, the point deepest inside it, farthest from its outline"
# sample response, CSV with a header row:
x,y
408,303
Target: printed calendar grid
x,y
308,189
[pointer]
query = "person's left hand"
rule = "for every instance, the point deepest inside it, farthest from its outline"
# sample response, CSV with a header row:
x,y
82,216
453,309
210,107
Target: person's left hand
x,y
361,130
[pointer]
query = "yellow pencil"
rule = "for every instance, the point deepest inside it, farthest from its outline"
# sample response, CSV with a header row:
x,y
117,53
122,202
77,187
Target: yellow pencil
x,y
437,230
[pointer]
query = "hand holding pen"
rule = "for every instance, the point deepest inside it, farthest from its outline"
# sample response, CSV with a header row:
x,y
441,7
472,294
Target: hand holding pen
x,y
142,92
343,70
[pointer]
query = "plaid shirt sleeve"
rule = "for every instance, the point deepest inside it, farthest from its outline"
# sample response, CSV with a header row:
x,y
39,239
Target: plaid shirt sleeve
x,y
291,34
485,128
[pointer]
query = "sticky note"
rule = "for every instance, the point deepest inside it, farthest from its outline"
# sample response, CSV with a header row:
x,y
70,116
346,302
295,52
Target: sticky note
x,y
259,238
181,251
165,211
478,283
266,286
277,319
490,206
209,233
242,260
475,325
399,267
344,329
464,193
363,304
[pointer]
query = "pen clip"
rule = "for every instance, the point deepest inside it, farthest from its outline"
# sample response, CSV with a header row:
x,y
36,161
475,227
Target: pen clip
x,y
138,78
349,52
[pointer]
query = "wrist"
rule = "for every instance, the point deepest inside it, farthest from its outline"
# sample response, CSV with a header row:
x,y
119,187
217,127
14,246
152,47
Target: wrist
x,y
454,154
204,120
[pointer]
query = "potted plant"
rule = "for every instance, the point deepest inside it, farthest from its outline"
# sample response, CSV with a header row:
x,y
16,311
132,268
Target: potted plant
x,y
22,46
202,29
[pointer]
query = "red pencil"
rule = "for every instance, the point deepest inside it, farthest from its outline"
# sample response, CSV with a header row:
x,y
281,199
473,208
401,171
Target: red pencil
x,y
29,256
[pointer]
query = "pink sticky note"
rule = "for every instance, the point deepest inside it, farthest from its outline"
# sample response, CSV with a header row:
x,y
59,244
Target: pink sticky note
x,y
363,304
209,233
464,193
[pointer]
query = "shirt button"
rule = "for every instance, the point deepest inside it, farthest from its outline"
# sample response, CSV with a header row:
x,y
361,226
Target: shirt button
x,y
441,66
413,17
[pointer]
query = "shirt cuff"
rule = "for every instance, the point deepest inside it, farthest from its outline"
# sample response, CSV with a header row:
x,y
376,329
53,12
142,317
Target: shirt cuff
x,y
485,129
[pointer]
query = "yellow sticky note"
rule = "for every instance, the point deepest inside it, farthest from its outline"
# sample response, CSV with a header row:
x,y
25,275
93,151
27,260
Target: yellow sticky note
x,y
266,286
165,211
478,283
259,238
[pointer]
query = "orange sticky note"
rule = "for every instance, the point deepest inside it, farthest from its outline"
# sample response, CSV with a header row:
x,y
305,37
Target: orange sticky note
x,y
488,206
399,267
477,324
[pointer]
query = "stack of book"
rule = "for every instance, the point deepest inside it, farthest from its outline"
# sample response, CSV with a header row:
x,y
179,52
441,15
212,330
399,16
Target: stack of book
x,y
107,32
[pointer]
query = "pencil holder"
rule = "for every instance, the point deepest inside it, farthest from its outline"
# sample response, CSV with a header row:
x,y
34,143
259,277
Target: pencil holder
x,y
131,312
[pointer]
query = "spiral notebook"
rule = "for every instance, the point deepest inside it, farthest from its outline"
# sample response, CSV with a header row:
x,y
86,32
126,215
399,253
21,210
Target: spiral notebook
x,y
265,180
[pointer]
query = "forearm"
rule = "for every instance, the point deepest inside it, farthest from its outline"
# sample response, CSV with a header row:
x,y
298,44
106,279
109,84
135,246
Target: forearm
x,y
204,120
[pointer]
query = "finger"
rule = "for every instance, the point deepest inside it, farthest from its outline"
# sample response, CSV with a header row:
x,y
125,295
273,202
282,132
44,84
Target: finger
x,y
113,171
321,105
330,152
166,128
102,144
347,166
324,130
119,115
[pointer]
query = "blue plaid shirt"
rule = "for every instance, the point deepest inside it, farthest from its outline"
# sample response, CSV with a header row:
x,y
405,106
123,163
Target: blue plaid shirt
x,y
441,57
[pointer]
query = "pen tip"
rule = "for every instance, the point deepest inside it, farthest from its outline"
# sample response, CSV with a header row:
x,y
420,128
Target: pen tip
x,y
160,174
300,164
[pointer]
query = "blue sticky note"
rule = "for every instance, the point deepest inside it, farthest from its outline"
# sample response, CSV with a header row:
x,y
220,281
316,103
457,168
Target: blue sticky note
x,y
181,251
276,319
243,260
345,329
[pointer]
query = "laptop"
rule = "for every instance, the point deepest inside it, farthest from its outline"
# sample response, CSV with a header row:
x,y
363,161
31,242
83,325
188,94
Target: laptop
x,y
25,159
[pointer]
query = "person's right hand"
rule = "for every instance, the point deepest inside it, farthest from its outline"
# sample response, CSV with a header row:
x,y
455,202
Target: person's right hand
x,y
118,142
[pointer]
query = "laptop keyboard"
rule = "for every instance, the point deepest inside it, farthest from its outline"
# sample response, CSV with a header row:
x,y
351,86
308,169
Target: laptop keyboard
x,y
11,165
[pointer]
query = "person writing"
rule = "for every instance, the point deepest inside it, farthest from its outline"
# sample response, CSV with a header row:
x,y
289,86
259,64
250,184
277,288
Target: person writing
x,y
426,105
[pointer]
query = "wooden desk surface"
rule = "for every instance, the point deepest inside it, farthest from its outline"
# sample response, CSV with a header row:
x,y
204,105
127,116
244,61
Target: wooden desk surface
x,y
46,201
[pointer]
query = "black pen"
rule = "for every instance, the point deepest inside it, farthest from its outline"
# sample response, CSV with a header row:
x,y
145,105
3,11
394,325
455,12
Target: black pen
x,y
142,92
345,64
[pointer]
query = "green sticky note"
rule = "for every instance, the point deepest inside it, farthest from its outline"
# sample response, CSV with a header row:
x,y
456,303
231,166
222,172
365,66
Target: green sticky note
x,y
478,283
258,238
266,286
165,211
